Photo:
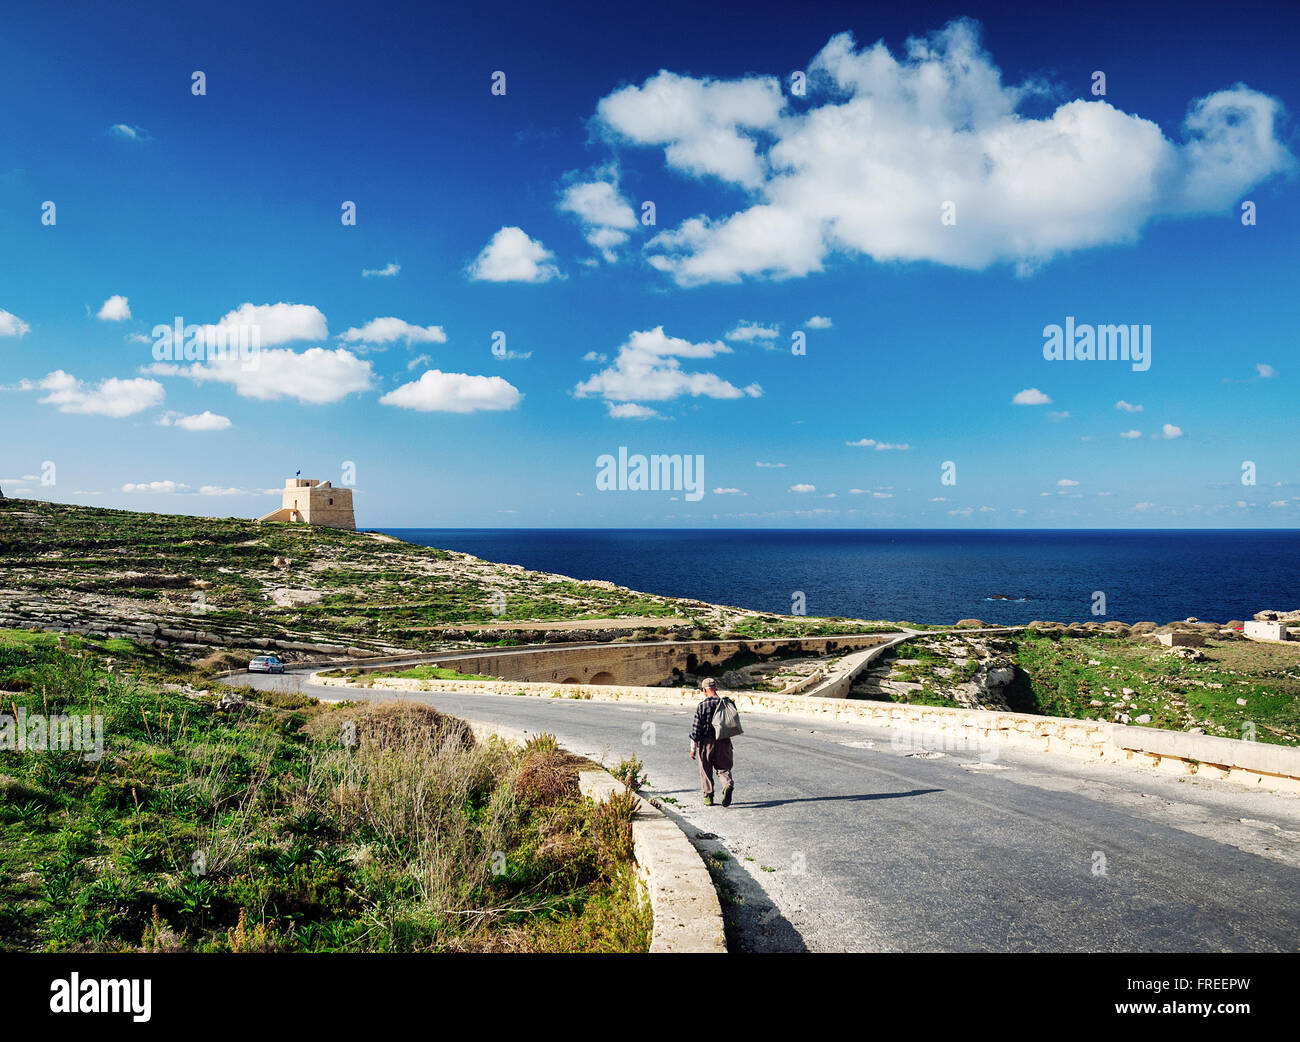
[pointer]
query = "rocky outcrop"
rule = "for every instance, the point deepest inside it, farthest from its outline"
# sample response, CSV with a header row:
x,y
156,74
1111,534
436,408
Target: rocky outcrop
x,y
987,688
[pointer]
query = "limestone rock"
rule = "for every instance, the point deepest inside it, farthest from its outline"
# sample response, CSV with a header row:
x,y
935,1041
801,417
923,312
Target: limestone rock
x,y
229,700
987,688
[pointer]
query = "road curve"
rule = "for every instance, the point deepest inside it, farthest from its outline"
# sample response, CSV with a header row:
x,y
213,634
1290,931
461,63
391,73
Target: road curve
x,y
843,839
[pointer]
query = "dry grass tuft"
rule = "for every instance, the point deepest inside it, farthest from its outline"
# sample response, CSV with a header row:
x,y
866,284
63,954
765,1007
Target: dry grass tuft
x,y
395,724
547,778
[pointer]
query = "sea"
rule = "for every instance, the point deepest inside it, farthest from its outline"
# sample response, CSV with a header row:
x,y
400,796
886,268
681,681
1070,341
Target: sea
x,y
927,576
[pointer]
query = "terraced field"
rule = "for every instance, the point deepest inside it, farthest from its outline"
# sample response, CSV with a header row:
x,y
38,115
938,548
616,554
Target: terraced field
x,y
200,584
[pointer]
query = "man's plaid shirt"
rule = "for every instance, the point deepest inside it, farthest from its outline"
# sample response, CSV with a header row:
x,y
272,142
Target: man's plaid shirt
x,y
702,725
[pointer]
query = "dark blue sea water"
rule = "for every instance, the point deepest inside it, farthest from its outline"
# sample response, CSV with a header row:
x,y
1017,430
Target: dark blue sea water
x,y
922,576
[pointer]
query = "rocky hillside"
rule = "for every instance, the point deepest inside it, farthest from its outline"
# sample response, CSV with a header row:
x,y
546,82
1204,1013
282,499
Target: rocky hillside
x,y
195,584
1226,685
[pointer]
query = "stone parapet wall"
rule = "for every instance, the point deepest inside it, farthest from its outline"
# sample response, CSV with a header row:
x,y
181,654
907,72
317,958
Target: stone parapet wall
x,y
975,731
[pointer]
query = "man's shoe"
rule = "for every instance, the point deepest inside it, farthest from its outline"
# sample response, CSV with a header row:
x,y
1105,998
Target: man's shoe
x,y
726,796
708,800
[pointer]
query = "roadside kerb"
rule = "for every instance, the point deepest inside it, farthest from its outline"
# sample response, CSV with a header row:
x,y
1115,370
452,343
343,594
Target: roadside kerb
x,y
687,913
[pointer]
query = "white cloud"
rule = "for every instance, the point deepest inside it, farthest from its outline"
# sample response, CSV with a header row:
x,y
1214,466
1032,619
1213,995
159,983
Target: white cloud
x,y
1266,371
316,375
115,309
595,356
418,361
437,391
648,368
1131,434
388,271
818,322
274,324
605,215
705,126
879,446
861,166
728,492
1144,506
511,256
769,466
1066,483
1124,406
204,421
387,330
630,411
1169,432
803,488
748,331
1030,396
961,512
1057,417
165,487
12,325
126,132
112,397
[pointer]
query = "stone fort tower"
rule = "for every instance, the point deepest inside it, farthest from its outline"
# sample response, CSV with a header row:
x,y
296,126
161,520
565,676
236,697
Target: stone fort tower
x,y
315,503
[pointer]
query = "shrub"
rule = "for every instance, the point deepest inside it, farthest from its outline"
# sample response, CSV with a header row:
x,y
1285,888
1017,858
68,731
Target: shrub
x,y
631,772
612,825
547,777
396,725
541,743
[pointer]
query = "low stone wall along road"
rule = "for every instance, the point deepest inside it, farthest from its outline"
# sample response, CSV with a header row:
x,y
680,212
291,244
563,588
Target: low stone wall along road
x,y
846,837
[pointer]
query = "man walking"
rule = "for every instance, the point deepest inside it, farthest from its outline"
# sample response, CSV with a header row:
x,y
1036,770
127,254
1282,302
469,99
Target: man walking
x,y
715,753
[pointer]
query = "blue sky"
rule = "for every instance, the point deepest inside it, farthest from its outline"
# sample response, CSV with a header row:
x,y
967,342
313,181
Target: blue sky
x,y
828,212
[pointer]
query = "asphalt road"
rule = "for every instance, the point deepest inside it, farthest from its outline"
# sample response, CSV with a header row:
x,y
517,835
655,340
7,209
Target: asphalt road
x,y
841,838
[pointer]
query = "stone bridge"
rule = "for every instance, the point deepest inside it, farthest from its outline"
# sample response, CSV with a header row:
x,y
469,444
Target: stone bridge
x,y
641,663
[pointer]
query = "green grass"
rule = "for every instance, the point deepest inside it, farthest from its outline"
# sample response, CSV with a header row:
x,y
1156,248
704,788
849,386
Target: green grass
x,y
1061,675
431,673
1176,693
371,592
263,828
766,626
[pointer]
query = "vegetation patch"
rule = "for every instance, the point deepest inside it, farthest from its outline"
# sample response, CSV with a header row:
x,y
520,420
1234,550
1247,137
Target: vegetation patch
x,y
1229,688
276,823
